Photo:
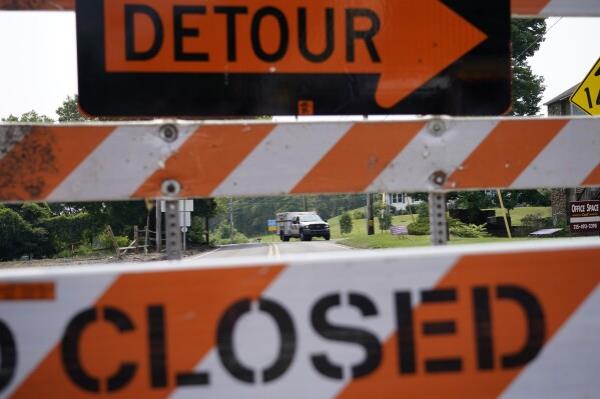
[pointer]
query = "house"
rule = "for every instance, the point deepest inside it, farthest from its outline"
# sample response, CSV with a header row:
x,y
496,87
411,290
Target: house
x,y
561,104
399,201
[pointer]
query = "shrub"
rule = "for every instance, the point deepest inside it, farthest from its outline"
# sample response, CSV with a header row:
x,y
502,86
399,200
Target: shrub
x,y
196,232
536,221
358,214
106,241
418,228
223,235
345,223
468,230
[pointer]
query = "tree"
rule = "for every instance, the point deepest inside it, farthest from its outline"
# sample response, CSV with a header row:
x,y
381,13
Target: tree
x,y
29,117
69,110
346,223
527,88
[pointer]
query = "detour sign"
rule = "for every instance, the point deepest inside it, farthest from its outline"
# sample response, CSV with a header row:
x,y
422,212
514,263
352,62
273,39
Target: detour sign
x,y
456,323
242,57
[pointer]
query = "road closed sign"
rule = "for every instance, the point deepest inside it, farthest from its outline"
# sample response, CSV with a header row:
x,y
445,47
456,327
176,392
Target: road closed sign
x,y
303,57
517,320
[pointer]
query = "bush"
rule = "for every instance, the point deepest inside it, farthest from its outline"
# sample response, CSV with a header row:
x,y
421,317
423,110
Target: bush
x,y
468,230
358,214
418,228
385,221
68,229
106,242
223,235
536,221
18,238
196,233
345,223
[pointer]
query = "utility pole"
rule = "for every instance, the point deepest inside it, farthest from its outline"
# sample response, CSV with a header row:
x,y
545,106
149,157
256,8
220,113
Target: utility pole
x,y
231,218
305,204
370,217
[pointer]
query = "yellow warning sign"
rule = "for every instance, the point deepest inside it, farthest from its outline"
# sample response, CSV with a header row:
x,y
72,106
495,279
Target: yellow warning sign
x,y
587,95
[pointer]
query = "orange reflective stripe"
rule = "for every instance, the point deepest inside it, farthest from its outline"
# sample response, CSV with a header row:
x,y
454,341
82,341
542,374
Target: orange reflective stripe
x,y
207,158
505,153
51,154
594,178
546,275
193,302
358,158
528,7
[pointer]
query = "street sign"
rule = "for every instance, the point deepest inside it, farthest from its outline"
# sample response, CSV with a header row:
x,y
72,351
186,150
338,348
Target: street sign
x,y
511,321
321,57
184,206
587,95
271,225
584,217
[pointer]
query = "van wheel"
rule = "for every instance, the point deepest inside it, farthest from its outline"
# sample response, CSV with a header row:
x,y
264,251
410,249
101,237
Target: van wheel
x,y
303,237
283,237
327,237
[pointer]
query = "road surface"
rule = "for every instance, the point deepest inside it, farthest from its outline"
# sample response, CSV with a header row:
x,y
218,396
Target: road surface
x,y
271,250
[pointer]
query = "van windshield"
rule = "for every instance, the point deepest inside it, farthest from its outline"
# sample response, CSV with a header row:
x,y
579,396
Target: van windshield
x,y
310,218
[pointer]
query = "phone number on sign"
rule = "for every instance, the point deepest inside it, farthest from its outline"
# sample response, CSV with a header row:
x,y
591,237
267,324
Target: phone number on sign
x,y
585,226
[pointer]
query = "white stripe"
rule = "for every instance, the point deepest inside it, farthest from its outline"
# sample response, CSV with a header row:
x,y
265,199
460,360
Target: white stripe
x,y
585,219
282,159
412,168
567,160
39,325
11,136
299,286
572,8
120,164
567,367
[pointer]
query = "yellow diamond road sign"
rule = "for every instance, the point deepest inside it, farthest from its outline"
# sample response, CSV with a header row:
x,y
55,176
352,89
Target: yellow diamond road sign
x,y
587,95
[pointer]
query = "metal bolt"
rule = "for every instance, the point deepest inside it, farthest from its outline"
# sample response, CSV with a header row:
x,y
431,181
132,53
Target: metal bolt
x,y
438,178
170,187
168,133
437,127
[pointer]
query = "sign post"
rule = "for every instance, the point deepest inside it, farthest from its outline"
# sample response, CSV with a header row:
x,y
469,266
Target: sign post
x,y
296,57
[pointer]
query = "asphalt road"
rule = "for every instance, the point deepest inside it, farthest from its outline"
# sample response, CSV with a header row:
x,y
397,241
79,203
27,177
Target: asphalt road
x,y
271,250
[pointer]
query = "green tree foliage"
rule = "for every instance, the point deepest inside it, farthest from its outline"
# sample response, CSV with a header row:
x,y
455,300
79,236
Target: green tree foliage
x,y
18,237
346,223
69,110
474,200
29,117
527,88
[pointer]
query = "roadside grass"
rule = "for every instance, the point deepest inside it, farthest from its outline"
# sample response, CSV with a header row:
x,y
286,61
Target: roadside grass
x,y
517,214
358,238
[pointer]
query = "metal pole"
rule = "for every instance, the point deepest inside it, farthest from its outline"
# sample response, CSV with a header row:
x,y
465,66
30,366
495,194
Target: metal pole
x,y
184,232
158,226
173,230
370,217
437,218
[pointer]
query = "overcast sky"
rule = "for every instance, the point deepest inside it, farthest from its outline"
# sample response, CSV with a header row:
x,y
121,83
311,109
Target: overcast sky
x,y
38,68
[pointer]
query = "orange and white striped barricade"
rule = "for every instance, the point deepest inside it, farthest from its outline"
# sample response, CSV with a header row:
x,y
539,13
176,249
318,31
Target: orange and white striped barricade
x,y
502,320
520,8
103,161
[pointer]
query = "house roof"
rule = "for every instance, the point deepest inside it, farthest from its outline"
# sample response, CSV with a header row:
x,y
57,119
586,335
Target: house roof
x,y
563,95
